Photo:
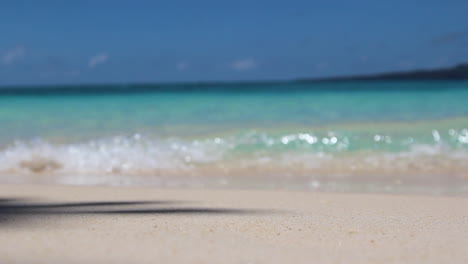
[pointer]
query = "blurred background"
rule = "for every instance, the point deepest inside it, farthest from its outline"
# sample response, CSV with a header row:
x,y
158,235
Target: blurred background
x,y
310,95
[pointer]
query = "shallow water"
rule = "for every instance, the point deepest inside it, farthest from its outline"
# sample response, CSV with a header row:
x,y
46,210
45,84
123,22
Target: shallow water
x,y
371,136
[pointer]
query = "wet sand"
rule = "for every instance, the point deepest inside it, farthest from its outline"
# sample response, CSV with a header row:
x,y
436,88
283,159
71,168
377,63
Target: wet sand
x,y
60,224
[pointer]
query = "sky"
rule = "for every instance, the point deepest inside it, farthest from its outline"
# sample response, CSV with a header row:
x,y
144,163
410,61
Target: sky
x,y
75,42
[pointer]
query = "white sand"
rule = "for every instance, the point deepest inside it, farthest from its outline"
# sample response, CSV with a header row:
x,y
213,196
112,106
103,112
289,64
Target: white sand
x,y
188,226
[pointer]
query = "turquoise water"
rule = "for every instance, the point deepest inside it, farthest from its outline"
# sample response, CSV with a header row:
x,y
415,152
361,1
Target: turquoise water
x,y
310,134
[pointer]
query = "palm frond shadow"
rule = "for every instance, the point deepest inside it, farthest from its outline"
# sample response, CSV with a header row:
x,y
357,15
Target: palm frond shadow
x,y
18,211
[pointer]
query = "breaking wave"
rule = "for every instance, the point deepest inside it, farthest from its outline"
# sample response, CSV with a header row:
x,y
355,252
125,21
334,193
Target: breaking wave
x,y
250,154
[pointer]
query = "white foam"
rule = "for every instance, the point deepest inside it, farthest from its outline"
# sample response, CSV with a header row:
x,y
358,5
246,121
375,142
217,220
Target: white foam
x,y
121,155
127,159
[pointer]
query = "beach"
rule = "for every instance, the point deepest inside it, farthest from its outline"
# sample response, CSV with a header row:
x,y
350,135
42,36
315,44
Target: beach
x,y
339,172
244,132
80,224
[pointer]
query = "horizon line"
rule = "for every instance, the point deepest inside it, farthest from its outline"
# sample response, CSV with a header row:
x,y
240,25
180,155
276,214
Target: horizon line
x,y
379,76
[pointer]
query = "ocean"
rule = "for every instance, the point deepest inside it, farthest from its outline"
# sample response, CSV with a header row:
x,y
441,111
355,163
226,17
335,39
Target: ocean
x,y
372,136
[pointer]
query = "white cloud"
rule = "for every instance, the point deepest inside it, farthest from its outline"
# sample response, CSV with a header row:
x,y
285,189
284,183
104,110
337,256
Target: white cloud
x,y
182,66
244,64
13,55
98,59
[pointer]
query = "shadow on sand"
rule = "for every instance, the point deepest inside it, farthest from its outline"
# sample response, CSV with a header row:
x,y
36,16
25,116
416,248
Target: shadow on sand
x,y
15,211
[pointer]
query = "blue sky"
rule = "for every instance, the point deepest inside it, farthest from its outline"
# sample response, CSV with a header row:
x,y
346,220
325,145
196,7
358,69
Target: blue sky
x,y
55,42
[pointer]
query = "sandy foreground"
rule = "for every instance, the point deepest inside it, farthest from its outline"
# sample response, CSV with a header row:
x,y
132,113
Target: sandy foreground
x,y
59,224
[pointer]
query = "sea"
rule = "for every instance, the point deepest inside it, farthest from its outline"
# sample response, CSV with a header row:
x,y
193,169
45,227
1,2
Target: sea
x,y
345,136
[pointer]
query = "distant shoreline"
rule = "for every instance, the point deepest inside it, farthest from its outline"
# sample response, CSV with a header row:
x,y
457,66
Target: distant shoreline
x,y
459,72
456,73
